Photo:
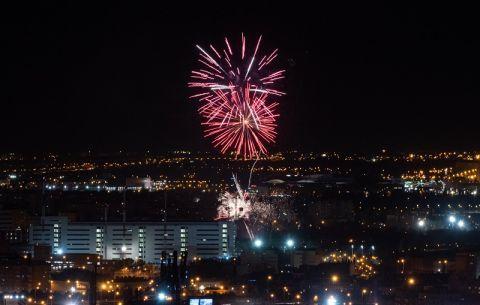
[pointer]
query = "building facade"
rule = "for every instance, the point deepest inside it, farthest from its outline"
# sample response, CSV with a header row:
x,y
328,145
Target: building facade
x,y
135,240
14,225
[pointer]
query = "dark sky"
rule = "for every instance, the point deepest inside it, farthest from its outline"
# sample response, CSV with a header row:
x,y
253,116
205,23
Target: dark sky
x,y
359,77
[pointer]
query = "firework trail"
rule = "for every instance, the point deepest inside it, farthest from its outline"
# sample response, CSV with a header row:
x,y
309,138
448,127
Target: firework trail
x,y
235,89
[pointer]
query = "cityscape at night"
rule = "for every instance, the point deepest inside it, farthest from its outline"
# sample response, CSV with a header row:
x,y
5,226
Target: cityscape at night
x,y
240,154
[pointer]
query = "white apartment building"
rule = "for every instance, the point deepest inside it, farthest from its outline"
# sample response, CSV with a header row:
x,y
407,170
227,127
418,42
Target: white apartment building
x,y
135,240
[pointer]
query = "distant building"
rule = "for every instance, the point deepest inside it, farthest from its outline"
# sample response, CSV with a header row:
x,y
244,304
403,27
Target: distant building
x,y
135,240
462,267
13,225
306,258
135,183
266,260
23,274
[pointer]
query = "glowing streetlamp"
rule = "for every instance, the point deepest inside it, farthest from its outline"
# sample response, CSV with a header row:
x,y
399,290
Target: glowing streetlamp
x,y
402,261
162,296
421,223
332,300
258,243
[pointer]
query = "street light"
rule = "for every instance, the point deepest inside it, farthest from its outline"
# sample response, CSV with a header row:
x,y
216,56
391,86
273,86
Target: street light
x,y
403,264
421,223
290,243
452,219
332,300
162,296
461,224
258,243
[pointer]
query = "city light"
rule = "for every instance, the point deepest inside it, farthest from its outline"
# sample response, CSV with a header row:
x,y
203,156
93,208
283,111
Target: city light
x,y
461,224
13,296
162,296
258,243
332,300
124,248
421,223
290,243
452,219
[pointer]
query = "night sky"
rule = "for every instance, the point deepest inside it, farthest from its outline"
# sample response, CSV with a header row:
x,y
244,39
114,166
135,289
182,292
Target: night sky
x,y
359,77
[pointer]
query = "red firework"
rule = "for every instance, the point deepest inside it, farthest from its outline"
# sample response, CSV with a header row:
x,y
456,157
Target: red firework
x,y
235,91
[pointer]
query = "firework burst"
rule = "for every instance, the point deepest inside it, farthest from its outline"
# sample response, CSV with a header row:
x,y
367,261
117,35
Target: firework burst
x,y
235,90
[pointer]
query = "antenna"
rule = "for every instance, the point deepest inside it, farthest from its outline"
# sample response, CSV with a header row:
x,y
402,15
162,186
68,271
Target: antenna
x,y
42,220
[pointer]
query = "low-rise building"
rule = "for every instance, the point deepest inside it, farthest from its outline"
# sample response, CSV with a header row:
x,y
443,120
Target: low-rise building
x,y
135,240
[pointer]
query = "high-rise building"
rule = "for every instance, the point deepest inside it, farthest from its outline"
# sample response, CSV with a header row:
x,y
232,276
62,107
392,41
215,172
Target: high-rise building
x,y
135,240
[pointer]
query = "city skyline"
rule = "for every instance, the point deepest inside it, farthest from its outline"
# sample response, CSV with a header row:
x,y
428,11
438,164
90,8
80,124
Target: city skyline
x,y
239,153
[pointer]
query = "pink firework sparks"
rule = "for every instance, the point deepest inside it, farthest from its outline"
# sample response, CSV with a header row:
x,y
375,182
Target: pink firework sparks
x,y
226,69
242,125
235,88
